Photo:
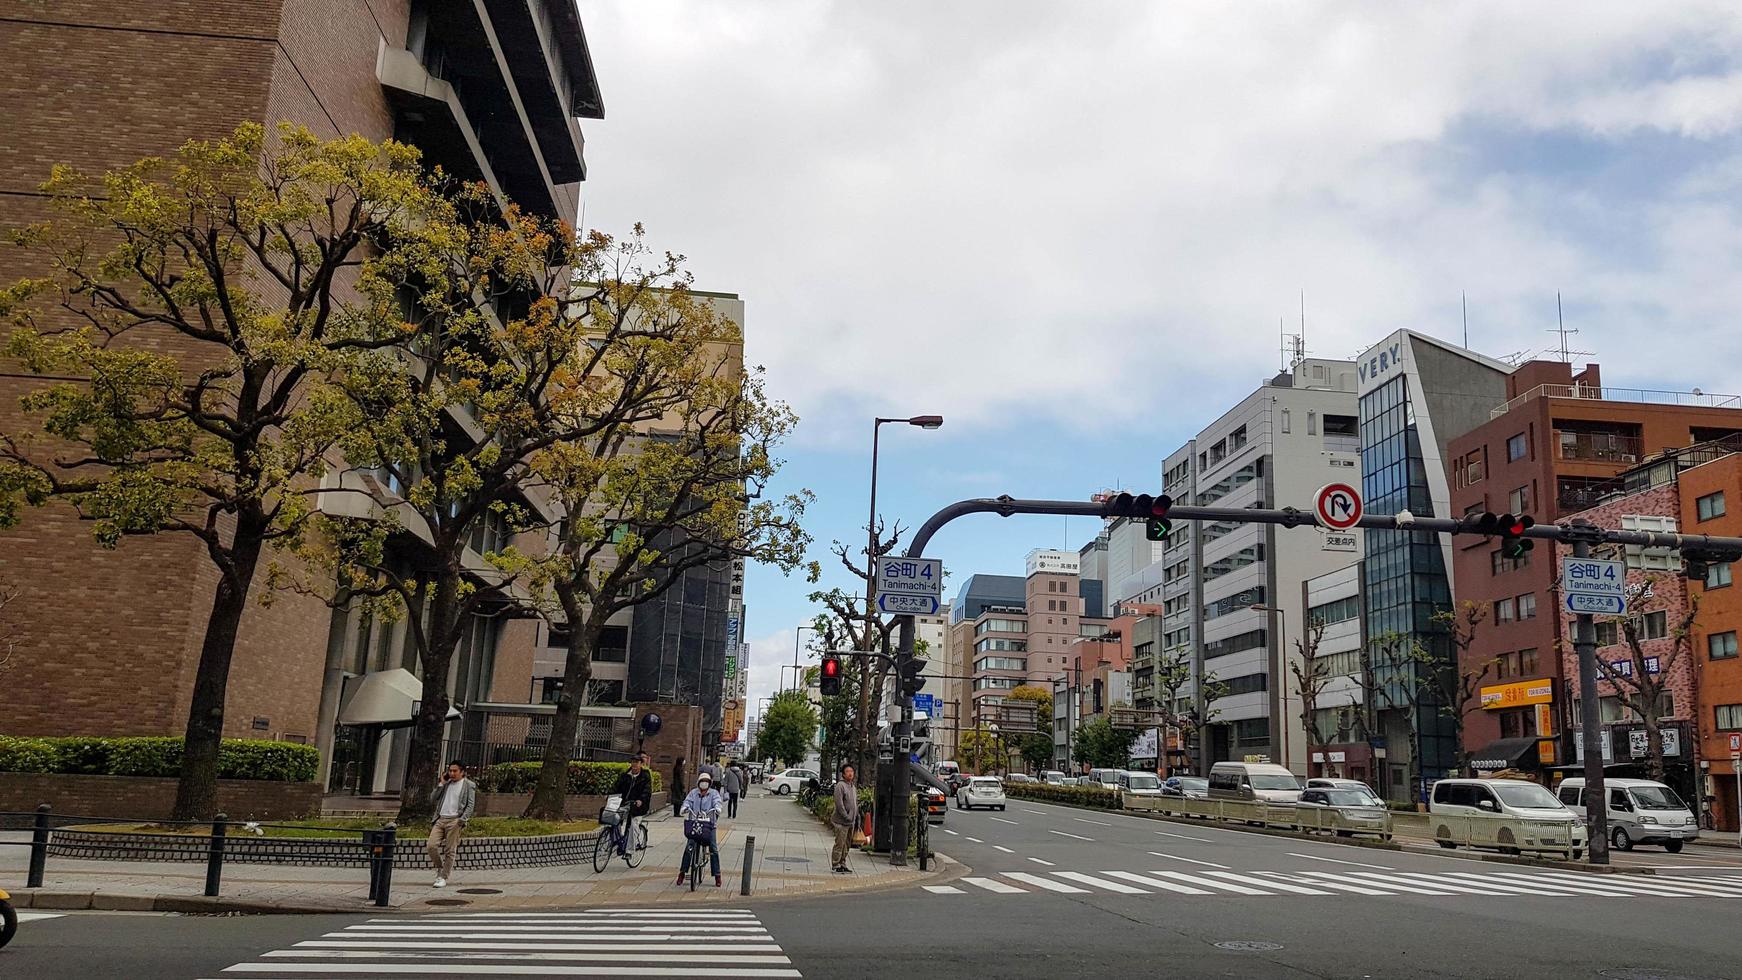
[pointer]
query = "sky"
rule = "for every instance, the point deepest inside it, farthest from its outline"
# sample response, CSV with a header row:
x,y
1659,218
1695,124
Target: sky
x,y
1077,230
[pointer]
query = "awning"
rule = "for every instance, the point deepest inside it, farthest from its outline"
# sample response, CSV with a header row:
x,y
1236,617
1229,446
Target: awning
x,y
387,698
1507,753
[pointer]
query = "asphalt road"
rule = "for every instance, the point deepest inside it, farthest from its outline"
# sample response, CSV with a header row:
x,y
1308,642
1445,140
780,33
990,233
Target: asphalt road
x,y
1053,892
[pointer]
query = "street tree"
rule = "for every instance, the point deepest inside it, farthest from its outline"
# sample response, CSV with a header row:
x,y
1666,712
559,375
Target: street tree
x,y
673,449
1457,683
1036,749
1311,673
1041,698
789,727
1642,680
981,749
8,627
853,629
1173,674
1101,746
196,318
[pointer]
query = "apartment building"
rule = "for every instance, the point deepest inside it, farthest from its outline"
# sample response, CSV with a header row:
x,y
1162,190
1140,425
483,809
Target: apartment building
x,y
1707,488
1338,679
1018,630
490,92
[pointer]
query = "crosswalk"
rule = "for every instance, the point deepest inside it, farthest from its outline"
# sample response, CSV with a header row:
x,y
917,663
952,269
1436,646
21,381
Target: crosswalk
x,y
1498,883
648,942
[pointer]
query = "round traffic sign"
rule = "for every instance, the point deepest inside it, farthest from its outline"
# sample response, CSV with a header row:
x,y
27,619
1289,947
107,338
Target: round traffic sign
x,y
1338,506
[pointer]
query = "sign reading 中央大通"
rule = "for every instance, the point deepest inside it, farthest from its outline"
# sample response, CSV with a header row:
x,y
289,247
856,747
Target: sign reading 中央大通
x,y
903,604
911,576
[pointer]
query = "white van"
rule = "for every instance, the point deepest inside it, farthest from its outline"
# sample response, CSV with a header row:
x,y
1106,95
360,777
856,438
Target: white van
x,y
1538,821
1139,783
1641,811
1104,778
1252,781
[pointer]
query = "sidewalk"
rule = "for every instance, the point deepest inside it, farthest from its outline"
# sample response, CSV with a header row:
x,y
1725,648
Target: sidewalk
x,y
791,859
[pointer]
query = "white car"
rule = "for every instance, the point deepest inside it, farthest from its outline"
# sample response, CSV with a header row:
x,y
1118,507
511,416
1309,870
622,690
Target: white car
x,y
980,791
791,781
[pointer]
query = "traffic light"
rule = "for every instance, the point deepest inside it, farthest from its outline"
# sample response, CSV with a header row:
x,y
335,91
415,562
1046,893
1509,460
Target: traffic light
x,y
911,681
1509,528
830,680
1152,510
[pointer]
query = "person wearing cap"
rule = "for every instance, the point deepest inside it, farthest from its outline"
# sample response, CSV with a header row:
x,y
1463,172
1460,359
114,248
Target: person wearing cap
x,y
703,804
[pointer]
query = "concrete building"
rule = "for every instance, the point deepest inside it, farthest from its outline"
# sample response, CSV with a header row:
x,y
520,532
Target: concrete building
x,y
1338,743
1562,442
490,92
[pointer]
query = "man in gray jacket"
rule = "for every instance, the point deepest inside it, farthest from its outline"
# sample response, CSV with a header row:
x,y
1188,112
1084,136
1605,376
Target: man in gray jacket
x,y
454,799
845,819
734,781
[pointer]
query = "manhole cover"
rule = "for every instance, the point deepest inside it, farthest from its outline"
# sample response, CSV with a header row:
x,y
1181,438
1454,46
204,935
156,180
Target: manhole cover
x,y
447,901
1247,945
480,891
787,859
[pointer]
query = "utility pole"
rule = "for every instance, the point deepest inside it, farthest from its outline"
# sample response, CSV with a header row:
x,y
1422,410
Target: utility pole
x,y
1590,735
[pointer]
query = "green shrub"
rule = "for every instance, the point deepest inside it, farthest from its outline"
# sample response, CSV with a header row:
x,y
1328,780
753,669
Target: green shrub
x,y
146,756
1089,796
585,778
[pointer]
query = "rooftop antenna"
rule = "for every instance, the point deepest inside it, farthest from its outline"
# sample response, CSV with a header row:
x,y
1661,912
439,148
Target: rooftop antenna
x,y
1567,354
1464,300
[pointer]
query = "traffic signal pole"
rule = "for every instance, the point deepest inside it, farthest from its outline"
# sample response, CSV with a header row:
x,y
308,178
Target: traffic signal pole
x,y
1580,535
1585,646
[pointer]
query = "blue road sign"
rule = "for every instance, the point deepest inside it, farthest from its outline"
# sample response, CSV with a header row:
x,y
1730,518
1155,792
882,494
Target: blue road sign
x,y
927,703
1598,605
903,604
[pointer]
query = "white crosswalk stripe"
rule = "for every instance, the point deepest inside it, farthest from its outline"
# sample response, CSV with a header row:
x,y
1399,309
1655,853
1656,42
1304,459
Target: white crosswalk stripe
x,y
690,943
1498,883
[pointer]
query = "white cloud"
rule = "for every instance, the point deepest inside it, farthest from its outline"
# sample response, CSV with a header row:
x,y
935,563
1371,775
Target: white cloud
x,y
980,205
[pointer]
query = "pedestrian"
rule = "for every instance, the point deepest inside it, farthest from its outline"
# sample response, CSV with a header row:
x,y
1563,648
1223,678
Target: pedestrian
x,y
845,819
734,781
713,771
677,785
703,807
454,799
635,786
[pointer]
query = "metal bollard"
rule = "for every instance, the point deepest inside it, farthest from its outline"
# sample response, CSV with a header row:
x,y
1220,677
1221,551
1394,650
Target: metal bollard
x,y
389,839
215,856
38,847
749,859
372,855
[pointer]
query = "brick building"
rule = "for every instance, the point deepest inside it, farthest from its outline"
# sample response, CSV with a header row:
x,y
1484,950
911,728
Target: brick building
x,y
109,640
1558,445
1707,490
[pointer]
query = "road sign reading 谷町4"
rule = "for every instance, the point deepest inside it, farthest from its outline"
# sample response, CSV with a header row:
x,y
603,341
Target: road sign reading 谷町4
x,y
1594,585
911,576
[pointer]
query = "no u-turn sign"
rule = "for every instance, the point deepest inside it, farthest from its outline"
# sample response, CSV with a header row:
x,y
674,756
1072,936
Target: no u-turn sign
x,y
1338,506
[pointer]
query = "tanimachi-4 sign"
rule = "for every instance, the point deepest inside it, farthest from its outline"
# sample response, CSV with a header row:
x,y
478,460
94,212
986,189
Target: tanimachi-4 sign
x,y
1594,585
911,576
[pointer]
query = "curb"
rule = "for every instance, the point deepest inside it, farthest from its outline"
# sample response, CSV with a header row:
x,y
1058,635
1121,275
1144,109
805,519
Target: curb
x,y
192,905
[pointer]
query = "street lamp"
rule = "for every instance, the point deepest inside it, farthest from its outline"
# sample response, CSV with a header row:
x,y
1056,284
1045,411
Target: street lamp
x,y
795,650
1281,673
923,422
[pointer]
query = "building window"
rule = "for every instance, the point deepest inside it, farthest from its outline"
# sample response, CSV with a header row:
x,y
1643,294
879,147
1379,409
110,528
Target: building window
x,y
1517,447
1505,610
1312,422
1342,425
1717,575
1518,502
1472,467
1653,625
1608,634
1527,606
1247,684
1721,646
1237,439
1337,611
1527,663
1710,506
1285,421
1518,723
1729,716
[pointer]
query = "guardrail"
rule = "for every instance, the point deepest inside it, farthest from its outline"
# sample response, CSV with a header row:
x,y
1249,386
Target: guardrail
x,y
1502,833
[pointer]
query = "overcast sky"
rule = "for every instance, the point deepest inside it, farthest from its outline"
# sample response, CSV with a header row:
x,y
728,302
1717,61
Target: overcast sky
x,y
1073,228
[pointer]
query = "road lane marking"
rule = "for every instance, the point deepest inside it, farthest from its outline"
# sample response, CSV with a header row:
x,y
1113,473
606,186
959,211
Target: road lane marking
x,y
993,885
1156,883
611,914
1001,847
950,832
1201,840
1357,864
577,958
512,969
1208,882
1047,863
1098,823
975,840
1622,885
1112,886
1176,857
1486,884
943,889
1063,834
1380,881
1279,886
1010,822
1047,883
37,916
1338,885
678,935
576,947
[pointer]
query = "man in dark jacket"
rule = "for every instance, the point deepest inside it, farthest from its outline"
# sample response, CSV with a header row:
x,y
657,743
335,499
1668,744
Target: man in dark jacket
x,y
635,785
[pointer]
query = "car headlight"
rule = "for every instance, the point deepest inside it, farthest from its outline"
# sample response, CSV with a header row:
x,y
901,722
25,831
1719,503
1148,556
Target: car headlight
x,y
1649,820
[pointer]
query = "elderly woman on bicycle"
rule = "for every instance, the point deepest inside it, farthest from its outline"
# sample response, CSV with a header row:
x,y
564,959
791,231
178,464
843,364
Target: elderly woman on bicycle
x,y
701,813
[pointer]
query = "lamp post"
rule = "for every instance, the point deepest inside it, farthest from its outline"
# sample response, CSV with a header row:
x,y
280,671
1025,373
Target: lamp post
x,y
1282,674
795,650
923,422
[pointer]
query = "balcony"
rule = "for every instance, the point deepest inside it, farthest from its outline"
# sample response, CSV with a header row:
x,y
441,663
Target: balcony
x,y
1598,447
1643,396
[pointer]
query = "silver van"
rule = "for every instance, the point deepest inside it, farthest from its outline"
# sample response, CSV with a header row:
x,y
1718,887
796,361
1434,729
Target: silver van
x,y
1641,811
1534,819
1139,783
1104,778
1252,781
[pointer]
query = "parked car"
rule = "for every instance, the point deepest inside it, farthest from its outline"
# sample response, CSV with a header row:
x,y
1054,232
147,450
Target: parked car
x,y
1019,777
936,804
1253,782
1357,812
1139,783
1538,820
1187,787
1641,811
1053,777
791,781
1353,785
980,791
1105,778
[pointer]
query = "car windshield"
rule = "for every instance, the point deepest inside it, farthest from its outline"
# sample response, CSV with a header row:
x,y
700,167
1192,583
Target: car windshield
x,y
1348,797
1142,782
1266,781
1194,783
1657,798
1522,794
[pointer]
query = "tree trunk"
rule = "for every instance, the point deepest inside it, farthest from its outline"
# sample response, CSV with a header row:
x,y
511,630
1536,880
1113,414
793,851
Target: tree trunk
x,y
427,732
196,794
1653,738
862,726
551,791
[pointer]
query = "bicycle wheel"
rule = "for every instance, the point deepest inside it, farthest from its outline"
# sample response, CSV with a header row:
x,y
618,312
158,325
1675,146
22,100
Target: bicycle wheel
x,y
637,847
603,847
696,854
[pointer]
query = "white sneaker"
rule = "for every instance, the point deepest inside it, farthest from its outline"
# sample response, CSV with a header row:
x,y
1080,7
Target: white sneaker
x,y
441,883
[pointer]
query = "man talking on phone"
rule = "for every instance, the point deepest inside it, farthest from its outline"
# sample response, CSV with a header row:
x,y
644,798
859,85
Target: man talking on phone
x,y
454,798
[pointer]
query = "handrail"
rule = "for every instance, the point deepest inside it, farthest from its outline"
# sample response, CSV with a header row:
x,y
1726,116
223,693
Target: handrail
x,y
1649,396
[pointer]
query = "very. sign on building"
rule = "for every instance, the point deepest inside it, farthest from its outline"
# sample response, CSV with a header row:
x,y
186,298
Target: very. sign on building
x,y
910,586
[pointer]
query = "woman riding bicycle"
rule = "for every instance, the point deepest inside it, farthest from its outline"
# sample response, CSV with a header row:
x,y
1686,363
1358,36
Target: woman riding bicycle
x,y
701,813
635,786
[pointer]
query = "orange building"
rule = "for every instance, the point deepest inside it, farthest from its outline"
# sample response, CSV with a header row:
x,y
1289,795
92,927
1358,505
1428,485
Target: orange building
x,y
1708,492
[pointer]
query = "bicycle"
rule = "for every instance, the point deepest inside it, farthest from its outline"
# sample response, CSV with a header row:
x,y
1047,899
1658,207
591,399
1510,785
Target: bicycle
x,y
612,840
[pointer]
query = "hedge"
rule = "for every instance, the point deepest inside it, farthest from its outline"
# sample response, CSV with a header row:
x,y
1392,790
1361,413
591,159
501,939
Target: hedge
x,y
1089,796
155,756
585,778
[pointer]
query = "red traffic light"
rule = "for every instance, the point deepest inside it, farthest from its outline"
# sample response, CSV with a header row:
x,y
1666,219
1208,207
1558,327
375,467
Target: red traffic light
x,y
831,667
829,676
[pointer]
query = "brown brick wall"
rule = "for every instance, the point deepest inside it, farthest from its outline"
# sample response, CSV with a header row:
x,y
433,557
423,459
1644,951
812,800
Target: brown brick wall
x,y
1720,681
152,798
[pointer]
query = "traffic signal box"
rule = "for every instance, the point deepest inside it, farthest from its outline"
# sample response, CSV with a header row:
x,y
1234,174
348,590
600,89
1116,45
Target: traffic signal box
x,y
830,680
1152,510
1509,528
